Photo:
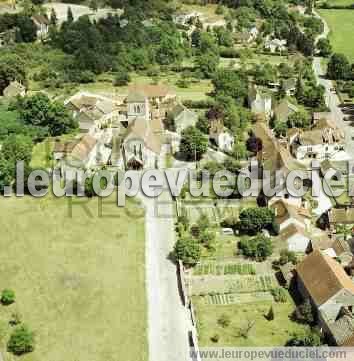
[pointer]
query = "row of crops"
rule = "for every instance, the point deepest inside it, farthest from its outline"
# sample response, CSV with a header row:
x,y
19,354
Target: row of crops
x,y
249,284
224,269
236,298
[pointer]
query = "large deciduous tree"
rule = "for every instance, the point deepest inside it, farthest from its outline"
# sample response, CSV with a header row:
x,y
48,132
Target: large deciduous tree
x,y
193,143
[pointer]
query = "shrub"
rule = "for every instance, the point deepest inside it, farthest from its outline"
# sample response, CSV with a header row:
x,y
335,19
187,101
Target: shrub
x,y
121,79
224,321
187,250
215,338
21,341
279,295
7,297
16,319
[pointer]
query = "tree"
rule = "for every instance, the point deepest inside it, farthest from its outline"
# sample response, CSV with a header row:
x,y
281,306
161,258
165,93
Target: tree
x,y
306,338
187,250
253,220
299,119
207,64
231,83
53,18
39,111
287,256
254,144
12,67
304,313
270,315
338,67
7,297
300,91
21,341
121,78
280,129
203,124
70,16
239,150
193,143
324,47
27,30
93,5
259,247
224,320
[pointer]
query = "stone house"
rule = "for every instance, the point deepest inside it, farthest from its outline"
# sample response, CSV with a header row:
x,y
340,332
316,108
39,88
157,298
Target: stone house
x,y
14,89
283,110
42,24
81,153
294,225
321,142
275,45
93,112
259,102
183,117
330,290
222,137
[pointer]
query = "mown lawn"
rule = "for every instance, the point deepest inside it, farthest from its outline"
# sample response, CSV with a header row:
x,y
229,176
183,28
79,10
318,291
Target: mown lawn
x,y
341,23
262,333
79,281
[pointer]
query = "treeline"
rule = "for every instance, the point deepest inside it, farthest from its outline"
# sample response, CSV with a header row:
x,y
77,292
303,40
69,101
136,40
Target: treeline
x,y
22,24
106,46
25,122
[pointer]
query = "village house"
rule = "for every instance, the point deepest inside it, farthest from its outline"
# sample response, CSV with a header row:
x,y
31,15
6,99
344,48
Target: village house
x,y
259,102
42,24
93,112
157,95
321,142
14,89
182,117
84,153
340,216
289,86
275,45
283,110
185,19
317,116
323,281
8,37
220,135
247,36
294,223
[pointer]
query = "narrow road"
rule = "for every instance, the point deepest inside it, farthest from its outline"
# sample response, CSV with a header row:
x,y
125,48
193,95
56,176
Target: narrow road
x,y
168,319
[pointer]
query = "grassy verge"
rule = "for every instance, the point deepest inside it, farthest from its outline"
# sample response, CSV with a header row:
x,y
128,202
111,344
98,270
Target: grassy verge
x,y
79,281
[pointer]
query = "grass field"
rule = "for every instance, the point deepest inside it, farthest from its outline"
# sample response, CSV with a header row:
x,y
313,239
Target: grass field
x,y
263,332
341,23
79,281
340,2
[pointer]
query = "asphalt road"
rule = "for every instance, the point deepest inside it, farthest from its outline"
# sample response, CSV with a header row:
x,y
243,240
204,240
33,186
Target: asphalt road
x,y
168,322
332,99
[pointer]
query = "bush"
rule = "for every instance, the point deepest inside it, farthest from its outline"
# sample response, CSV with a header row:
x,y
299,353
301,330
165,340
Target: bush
x,y
287,256
7,297
215,338
187,250
229,53
121,79
224,321
21,341
279,295
16,319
